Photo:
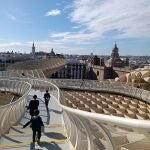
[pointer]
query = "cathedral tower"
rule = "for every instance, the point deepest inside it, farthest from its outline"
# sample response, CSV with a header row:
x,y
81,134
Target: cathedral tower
x,y
115,54
33,51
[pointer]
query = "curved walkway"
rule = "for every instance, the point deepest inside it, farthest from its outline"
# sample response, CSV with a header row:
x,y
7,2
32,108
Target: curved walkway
x,y
54,137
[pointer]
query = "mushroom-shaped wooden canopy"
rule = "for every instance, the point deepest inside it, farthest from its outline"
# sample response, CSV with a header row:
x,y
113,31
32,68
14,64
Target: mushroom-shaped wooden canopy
x,y
139,75
39,68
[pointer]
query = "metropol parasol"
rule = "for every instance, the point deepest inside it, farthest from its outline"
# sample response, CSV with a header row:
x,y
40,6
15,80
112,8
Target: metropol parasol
x,y
96,114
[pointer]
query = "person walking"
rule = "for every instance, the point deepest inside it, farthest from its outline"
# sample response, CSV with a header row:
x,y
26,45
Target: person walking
x,y
82,83
33,105
47,98
36,125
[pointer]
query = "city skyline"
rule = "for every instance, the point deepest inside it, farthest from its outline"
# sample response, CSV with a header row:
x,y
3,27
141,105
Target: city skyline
x,y
76,26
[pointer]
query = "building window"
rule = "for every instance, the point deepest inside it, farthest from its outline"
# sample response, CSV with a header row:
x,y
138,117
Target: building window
x,y
97,73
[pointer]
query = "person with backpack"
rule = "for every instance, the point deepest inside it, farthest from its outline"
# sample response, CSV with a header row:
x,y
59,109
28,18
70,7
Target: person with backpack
x,y
36,125
33,105
47,98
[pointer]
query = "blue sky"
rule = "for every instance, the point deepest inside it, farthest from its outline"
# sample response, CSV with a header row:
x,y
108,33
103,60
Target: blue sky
x,y
76,26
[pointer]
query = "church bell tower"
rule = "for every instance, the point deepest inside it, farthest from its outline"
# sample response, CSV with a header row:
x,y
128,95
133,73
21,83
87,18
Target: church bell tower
x,y
33,51
115,54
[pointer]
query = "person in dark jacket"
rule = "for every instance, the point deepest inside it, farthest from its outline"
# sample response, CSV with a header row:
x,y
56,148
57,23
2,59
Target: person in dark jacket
x,y
33,105
36,125
47,98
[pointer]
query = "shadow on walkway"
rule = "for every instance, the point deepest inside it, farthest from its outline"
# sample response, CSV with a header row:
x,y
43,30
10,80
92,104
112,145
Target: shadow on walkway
x,y
56,111
48,118
17,129
50,146
32,147
57,136
12,140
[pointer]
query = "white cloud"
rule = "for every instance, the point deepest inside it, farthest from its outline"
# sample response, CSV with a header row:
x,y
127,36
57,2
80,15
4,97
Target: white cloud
x,y
72,37
2,45
19,17
59,35
131,19
12,17
54,12
94,20
76,27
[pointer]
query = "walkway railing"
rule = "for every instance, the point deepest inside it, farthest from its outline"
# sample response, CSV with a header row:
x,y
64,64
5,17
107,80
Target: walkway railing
x,y
104,86
12,112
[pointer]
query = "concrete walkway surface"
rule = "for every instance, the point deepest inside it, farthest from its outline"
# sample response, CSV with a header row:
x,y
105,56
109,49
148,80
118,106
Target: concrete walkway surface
x,y
54,136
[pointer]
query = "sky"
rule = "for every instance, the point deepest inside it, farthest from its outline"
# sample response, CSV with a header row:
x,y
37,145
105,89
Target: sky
x,y
75,26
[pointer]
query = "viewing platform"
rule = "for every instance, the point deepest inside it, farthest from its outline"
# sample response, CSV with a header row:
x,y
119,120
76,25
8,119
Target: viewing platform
x,y
83,114
54,136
